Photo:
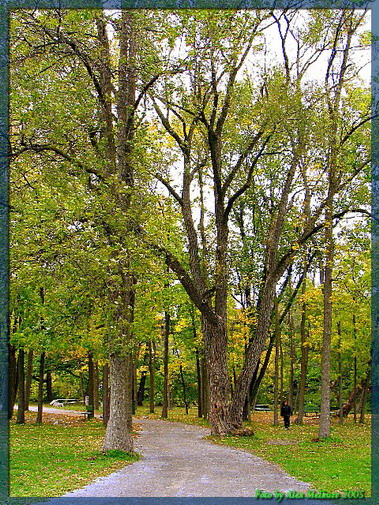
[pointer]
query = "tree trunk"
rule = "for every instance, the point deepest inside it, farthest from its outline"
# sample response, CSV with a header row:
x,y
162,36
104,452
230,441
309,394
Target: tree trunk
x,y
184,388
91,380
355,367
304,358
141,389
199,386
204,388
28,383
96,403
117,435
366,387
215,338
12,379
106,397
21,387
276,372
151,377
292,360
40,387
340,381
165,364
49,387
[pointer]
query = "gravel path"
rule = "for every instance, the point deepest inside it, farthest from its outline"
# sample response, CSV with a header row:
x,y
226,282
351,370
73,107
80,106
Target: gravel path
x,y
178,462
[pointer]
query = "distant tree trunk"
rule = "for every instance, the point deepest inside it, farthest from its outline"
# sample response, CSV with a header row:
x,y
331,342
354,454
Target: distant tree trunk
x,y
28,382
204,388
49,387
151,377
276,376
12,379
304,359
340,381
21,387
366,387
82,392
40,387
165,365
106,398
199,386
184,387
355,367
117,435
292,360
133,372
96,386
91,380
141,389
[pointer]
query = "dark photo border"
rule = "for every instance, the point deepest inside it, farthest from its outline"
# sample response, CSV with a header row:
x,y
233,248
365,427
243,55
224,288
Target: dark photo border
x,y
8,5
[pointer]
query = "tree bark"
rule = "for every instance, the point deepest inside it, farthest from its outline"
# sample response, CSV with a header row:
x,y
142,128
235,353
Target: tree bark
x,y
141,389
304,358
96,386
21,387
106,396
28,382
199,386
276,372
91,380
366,387
165,364
151,377
40,387
12,379
117,435
49,387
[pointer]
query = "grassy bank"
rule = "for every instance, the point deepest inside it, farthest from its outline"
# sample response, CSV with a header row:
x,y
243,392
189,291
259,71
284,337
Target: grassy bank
x,y
52,459
340,463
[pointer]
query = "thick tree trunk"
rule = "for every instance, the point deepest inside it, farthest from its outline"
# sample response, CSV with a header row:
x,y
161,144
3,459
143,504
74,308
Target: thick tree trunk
x,y
28,382
165,364
40,387
151,377
219,385
117,435
21,387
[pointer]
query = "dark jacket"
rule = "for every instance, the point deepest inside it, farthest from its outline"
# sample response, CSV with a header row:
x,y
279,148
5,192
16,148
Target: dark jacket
x,y
285,410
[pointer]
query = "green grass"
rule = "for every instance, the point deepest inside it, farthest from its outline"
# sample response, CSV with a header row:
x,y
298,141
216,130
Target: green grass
x,y
50,460
339,463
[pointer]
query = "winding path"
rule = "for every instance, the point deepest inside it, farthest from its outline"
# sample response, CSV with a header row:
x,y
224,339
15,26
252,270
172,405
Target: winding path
x,y
176,461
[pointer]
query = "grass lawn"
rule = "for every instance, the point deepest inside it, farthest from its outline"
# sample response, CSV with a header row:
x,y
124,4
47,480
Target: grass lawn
x,y
52,459
340,463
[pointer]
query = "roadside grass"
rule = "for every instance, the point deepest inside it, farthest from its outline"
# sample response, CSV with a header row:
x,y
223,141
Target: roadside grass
x,y
339,463
52,459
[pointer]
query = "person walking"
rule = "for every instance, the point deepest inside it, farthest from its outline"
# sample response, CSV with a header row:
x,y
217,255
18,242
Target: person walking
x,y
286,412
